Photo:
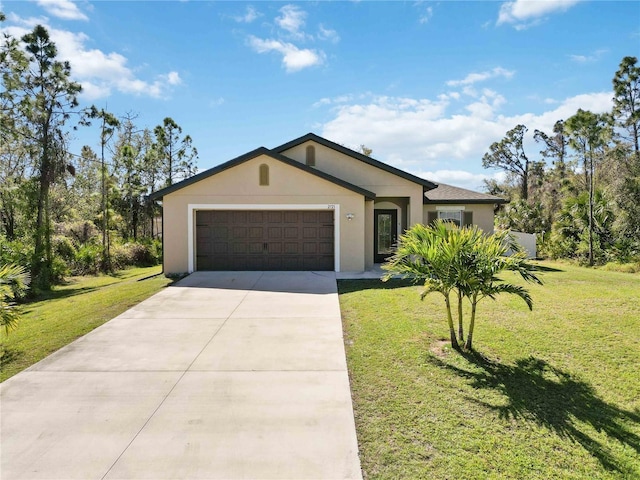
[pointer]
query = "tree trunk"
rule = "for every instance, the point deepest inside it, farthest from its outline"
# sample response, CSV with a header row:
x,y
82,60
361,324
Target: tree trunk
x,y
452,331
39,267
460,326
591,185
472,323
524,189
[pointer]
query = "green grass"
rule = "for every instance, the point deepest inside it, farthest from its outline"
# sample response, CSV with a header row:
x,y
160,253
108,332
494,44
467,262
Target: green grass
x,y
58,317
549,394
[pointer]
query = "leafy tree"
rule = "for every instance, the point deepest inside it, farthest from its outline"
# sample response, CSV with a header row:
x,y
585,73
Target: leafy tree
x,y
13,283
108,125
626,100
555,146
571,235
588,134
521,216
366,151
508,155
178,156
48,99
14,148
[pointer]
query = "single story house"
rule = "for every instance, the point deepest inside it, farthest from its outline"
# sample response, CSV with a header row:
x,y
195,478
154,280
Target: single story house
x,y
309,204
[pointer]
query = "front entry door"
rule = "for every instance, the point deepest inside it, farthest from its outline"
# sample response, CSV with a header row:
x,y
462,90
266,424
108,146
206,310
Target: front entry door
x,y
385,232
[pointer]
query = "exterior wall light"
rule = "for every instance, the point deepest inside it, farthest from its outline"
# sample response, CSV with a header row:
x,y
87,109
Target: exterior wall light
x,y
350,216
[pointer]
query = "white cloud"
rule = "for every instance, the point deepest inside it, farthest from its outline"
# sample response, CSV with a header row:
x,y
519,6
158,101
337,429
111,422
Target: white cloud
x,y
292,19
335,100
249,15
65,9
328,34
526,13
426,15
99,73
482,76
293,58
172,78
593,57
216,102
422,135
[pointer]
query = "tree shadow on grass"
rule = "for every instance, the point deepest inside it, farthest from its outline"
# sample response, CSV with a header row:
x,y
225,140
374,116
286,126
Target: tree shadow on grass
x,y
55,295
349,286
539,392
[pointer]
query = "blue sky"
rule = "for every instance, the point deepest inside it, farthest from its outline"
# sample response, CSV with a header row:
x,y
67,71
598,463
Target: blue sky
x,y
427,85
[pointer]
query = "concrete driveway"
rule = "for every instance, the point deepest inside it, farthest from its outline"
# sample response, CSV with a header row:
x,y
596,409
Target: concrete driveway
x,y
227,375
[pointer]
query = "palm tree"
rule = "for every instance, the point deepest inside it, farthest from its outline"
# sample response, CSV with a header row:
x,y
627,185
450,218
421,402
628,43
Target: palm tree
x,y
462,261
430,254
13,282
490,255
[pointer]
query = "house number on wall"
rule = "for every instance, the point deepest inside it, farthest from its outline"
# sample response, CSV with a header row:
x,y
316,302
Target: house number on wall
x,y
331,207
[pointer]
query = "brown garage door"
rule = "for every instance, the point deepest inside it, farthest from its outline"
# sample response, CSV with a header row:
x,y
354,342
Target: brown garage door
x,y
264,240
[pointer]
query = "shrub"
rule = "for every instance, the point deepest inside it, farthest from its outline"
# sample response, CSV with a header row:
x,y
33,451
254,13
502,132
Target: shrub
x,y
134,254
87,261
16,252
14,280
64,248
79,233
59,269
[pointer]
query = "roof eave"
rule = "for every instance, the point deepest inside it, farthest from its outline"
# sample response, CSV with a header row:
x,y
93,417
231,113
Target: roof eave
x,y
479,201
249,156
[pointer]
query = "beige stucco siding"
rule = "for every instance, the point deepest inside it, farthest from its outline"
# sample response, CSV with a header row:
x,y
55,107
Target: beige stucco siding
x,y
377,180
383,183
482,214
239,188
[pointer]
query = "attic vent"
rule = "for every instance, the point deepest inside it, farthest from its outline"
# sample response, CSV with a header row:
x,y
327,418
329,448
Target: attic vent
x,y
264,174
311,156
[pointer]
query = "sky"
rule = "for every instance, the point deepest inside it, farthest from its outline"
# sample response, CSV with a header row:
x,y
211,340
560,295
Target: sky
x,y
428,86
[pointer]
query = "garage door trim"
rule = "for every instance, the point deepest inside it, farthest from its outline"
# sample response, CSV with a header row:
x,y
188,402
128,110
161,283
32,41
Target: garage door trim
x,y
193,207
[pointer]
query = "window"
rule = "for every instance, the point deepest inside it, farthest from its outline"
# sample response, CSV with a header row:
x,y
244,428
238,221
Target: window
x,y
264,174
458,217
453,217
311,156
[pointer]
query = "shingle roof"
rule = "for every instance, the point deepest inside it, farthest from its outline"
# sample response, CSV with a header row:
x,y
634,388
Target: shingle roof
x,y
449,194
253,154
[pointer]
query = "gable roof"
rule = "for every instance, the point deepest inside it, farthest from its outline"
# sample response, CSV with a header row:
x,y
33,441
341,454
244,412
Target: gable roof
x,y
428,185
251,155
449,194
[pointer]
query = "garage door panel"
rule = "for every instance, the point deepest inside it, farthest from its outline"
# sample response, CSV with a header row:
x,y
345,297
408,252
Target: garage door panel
x,y
265,240
325,232
219,232
275,233
325,249
292,248
310,232
239,232
275,248
255,217
290,232
219,248
255,233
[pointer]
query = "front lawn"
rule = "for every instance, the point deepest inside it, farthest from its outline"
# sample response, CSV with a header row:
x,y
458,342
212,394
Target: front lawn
x,y
550,394
69,311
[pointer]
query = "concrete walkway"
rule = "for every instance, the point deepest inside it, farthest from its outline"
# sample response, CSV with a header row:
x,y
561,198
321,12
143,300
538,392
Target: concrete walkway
x,y
227,375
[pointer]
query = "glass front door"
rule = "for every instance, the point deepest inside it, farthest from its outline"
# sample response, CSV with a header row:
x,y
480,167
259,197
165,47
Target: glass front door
x,y
385,234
